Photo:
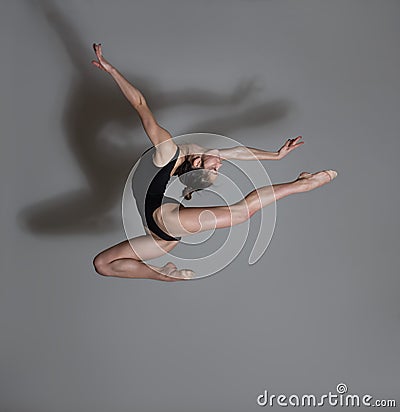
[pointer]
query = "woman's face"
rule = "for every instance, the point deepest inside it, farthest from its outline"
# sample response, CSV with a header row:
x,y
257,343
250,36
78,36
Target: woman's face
x,y
211,160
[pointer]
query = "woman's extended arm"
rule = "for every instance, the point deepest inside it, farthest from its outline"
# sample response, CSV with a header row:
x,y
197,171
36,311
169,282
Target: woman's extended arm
x,y
156,133
247,153
251,153
134,96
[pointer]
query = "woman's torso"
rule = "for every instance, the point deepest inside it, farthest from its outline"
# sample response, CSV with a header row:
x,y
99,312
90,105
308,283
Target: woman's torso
x,y
150,180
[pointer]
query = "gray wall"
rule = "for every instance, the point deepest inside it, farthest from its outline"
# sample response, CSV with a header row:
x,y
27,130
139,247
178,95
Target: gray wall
x,y
320,307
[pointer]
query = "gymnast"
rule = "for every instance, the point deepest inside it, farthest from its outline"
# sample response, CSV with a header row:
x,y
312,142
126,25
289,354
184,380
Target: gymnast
x,y
166,220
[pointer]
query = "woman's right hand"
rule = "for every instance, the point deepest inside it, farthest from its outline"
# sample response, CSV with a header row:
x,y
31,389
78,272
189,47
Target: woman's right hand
x,y
102,63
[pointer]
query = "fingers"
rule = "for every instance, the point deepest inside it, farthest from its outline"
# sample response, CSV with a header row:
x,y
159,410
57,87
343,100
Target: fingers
x,y
97,47
98,51
97,64
295,142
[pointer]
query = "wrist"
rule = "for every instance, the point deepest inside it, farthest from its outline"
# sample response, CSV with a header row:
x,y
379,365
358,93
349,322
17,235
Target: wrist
x,y
113,71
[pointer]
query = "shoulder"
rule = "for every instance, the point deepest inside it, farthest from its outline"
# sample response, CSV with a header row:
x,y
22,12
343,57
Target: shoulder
x,y
192,148
164,152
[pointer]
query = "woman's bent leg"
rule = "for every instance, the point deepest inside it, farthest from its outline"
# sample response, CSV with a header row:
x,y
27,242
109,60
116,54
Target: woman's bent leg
x,y
125,260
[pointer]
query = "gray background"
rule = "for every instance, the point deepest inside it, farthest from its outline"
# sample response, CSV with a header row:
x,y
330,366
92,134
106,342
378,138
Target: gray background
x,y
320,307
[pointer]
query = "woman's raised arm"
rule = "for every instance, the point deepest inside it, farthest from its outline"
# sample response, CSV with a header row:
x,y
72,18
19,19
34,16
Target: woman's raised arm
x,y
154,131
133,95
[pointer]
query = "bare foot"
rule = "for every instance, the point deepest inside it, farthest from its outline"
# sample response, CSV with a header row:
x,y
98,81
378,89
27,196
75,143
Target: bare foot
x,y
309,181
170,273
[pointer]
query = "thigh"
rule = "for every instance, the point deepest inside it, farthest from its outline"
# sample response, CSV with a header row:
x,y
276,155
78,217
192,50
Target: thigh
x,y
140,248
178,220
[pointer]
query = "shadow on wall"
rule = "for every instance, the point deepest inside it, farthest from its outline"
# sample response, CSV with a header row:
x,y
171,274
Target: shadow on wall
x,y
93,104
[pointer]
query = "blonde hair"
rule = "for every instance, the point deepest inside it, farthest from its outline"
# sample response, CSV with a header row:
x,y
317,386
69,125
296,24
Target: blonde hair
x,y
192,181
187,192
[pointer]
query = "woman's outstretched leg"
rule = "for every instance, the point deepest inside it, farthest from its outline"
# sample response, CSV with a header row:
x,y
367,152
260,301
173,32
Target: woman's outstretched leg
x,y
126,260
259,198
185,221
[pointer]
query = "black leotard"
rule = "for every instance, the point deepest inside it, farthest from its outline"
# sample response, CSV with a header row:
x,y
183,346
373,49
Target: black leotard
x,y
149,183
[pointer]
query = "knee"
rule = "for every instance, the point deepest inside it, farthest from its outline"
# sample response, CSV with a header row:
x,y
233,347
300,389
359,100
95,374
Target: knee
x,y
100,265
241,212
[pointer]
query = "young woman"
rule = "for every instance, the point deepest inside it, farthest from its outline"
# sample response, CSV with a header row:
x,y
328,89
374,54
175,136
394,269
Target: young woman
x,y
165,219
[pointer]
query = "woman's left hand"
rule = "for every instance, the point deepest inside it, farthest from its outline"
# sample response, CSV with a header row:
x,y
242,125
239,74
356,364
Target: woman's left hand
x,y
102,63
290,145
